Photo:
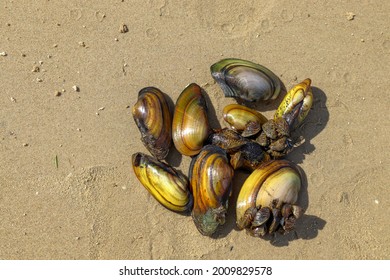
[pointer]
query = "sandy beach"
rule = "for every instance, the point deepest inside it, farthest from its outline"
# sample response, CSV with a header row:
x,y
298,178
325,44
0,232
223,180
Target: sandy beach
x,y
70,72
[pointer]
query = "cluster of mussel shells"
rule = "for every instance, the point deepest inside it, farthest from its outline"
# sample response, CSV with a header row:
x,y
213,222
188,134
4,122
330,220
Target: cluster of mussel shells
x,y
267,200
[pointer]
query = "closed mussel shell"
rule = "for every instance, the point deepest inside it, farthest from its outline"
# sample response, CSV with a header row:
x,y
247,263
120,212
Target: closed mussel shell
x,y
211,184
276,180
167,185
296,104
190,125
153,118
243,119
245,80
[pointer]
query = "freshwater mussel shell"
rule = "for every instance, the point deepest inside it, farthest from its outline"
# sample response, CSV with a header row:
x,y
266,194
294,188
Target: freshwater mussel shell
x,y
153,118
166,184
210,178
190,125
245,80
272,184
243,119
296,104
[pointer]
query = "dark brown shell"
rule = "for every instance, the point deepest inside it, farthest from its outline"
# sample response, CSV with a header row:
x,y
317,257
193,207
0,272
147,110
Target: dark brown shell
x,y
153,118
244,152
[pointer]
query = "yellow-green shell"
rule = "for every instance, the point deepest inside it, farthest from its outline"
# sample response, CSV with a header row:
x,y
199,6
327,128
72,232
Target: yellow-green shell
x,y
211,183
296,104
190,125
276,179
163,182
243,119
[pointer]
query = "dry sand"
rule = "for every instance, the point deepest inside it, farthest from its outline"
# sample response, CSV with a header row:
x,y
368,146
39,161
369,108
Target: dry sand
x,y
91,206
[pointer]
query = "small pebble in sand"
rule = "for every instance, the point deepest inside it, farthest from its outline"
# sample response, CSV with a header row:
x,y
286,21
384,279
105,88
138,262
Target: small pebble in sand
x,y
3,54
55,45
376,201
362,40
13,99
77,237
82,44
39,80
123,28
57,93
76,88
36,69
344,198
78,129
25,144
101,108
350,15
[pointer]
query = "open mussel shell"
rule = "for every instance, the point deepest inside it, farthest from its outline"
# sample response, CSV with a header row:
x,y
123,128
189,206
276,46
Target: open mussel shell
x,y
245,80
167,185
211,183
271,185
154,121
296,104
243,119
190,125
